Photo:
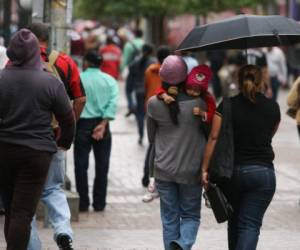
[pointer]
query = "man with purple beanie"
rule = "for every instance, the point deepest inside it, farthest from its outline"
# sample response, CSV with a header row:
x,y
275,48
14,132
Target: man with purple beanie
x,y
29,97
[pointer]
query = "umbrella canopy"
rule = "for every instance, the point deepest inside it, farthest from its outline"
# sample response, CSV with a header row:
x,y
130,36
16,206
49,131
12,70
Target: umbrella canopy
x,y
242,32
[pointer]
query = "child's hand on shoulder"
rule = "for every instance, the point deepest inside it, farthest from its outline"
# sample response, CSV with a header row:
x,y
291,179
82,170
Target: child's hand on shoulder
x,y
167,98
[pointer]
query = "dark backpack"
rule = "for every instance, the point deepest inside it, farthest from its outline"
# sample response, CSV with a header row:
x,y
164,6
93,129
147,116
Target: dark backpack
x,y
136,52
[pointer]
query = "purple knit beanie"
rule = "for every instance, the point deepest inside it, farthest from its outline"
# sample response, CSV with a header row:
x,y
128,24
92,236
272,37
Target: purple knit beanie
x,y
24,49
173,70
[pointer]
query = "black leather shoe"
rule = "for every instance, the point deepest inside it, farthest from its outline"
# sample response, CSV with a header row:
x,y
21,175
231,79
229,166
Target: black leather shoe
x,y
64,242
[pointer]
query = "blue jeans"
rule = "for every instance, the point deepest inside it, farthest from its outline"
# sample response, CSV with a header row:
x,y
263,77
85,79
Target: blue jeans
x,y
275,85
82,148
56,202
254,187
180,206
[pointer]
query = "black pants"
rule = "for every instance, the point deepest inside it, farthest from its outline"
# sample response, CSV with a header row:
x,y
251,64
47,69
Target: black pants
x,y
140,113
82,147
23,173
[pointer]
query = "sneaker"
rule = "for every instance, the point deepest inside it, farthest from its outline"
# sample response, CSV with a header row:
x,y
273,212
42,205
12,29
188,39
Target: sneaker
x,y
150,197
129,113
64,242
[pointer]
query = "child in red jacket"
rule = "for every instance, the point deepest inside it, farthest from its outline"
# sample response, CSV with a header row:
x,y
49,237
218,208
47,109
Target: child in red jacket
x,y
196,84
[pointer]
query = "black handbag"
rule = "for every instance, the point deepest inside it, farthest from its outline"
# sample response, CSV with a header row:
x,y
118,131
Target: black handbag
x,y
218,202
222,160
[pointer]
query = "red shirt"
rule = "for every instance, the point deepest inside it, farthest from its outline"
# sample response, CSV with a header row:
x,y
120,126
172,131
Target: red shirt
x,y
111,59
68,72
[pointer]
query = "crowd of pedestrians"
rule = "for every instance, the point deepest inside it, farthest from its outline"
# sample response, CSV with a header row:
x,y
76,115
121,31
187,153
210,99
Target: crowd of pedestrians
x,y
46,103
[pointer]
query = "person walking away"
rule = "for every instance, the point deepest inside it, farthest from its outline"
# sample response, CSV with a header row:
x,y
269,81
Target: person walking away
x,y
111,55
131,51
28,98
152,83
64,68
136,82
293,101
216,58
93,131
179,145
255,120
277,69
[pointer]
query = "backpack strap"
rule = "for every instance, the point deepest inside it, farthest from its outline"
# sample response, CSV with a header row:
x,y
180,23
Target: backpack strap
x,y
50,65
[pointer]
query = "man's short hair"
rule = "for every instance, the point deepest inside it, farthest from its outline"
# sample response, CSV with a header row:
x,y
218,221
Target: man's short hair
x,y
41,30
138,33
162,52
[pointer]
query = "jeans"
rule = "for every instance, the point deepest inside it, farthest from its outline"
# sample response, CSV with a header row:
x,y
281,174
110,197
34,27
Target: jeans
x,y
254,187
180,206
23,172
56,202
140,113
275,84
129,96
82,147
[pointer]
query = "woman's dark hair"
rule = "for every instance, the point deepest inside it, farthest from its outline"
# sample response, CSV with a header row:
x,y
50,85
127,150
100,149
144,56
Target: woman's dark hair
x,y
93,58
162,52
174,108
250,81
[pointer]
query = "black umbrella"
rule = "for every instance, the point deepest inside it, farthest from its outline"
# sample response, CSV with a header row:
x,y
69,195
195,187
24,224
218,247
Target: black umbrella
x,y
242,32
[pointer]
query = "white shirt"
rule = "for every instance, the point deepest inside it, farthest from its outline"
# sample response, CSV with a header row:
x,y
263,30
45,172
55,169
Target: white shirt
x,y
277,64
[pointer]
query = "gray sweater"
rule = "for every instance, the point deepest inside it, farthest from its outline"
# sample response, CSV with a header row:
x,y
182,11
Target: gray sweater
x,y
178,149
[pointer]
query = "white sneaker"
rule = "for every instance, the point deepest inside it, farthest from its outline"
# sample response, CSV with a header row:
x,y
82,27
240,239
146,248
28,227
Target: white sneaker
x,y
150,197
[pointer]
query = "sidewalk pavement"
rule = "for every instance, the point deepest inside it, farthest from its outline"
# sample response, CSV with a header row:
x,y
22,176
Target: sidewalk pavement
x,y
129,224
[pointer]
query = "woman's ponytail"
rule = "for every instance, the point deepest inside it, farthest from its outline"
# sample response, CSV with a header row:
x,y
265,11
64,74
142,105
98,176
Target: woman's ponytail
x,y
250,81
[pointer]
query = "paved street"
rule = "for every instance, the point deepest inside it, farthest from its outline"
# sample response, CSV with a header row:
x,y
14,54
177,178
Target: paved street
x,y
130,224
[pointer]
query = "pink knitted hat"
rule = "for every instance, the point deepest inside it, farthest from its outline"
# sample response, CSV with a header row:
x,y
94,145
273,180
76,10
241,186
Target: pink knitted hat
x,y
199,76
173,70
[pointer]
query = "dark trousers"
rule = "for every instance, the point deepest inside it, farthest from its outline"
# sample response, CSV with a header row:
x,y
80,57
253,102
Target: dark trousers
x,y
275,85
140,113
82,147
145,179
23,172
129,96
254,189
1,202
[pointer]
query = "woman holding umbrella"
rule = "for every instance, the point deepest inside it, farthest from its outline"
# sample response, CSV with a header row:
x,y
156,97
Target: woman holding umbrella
x,y
255,120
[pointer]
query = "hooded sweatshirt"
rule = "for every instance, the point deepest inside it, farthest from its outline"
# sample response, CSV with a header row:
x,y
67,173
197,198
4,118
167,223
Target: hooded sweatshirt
x,y
28,98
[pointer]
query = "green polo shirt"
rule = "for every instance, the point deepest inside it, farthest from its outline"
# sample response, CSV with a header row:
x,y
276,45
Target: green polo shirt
x,y
102,94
